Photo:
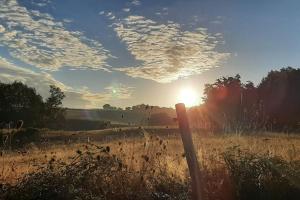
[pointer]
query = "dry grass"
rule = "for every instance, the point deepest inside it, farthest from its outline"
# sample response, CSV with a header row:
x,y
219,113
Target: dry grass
x,y
152,156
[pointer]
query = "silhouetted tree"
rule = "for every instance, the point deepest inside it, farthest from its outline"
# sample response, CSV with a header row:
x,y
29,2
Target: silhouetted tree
x,y
230,105
280,98
128,108
223,101
109,107
20,102
54,112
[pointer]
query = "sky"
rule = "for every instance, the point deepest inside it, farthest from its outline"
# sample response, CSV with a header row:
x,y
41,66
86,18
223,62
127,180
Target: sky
x,y
128,52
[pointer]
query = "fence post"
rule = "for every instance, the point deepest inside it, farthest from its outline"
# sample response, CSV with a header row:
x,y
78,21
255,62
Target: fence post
x,y
190,153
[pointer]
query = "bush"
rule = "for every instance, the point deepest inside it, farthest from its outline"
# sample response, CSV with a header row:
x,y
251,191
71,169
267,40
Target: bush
x,y
263,176
26,136
20,138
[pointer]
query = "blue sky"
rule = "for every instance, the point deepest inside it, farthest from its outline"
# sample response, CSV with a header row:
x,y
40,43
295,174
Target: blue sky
x,y
141,51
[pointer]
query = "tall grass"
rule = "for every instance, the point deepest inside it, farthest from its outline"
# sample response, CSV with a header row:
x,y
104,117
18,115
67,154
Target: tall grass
x,y
265,177
234,167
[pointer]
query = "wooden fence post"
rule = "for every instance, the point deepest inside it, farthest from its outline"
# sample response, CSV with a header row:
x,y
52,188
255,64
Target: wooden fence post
x,y
190,153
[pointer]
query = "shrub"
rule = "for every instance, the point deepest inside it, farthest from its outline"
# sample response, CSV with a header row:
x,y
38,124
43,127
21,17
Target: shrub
x,y
263,176
26,136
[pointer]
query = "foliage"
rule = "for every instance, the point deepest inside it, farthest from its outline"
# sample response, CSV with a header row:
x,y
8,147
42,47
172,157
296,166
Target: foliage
x,y
20,138
26,136
279,94
18,101
263,176
56,97
53,107
233,106
109,107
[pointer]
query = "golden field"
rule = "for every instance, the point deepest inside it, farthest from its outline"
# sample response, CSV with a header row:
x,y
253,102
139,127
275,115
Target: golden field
x,y
148,154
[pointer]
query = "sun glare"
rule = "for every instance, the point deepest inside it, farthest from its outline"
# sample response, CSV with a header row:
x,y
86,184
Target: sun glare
x,y
189,97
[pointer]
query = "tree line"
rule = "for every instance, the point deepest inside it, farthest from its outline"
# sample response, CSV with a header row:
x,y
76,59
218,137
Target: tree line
x,y
232,106
20,102
143,113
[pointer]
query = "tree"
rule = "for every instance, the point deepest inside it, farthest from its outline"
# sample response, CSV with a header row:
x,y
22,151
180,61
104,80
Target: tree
x,y
280,97
56,97
223,99
128,108
54,112
20,102
109,107
229,105
106,106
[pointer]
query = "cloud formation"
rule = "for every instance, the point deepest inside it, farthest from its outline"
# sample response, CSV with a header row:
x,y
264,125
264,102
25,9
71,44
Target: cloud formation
x,y
75,98
37,39
126,9
41,3
166,51
136,2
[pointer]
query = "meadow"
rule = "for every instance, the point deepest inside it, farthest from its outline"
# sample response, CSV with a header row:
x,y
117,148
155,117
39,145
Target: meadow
x,y
150,164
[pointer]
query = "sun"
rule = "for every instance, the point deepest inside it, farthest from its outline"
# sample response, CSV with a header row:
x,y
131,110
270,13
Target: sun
x,y
189,97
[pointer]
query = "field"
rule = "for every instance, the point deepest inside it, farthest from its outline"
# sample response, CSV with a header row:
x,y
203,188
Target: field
x,y
150,164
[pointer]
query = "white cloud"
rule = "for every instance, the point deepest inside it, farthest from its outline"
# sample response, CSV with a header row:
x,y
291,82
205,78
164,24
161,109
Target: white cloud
x,y
67,20
126,9
136,2
2,29
37,39
41,3
166,52
218,20
75,98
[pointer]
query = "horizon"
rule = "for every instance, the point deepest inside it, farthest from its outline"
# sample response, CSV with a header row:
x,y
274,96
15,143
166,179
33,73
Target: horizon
x,y
132,52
